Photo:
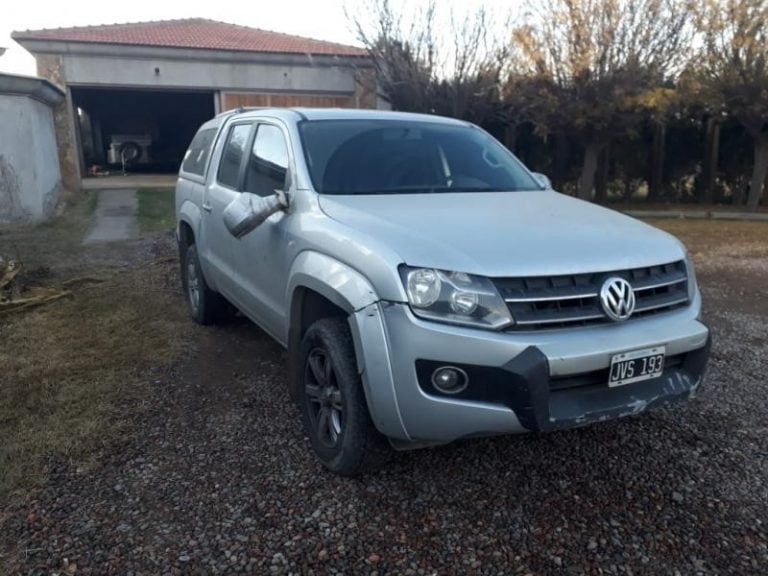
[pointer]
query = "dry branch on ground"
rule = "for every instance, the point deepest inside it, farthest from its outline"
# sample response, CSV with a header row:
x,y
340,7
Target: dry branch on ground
x,y
15,296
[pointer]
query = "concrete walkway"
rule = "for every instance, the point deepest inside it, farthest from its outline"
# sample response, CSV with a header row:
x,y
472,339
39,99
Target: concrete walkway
x,y
115,217
130,181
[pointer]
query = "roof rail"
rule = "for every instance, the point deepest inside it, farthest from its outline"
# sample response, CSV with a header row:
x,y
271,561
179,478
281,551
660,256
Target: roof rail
x,y
241,109
238,110
299,112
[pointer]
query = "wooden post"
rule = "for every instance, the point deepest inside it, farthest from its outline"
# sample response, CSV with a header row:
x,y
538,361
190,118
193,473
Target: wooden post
x,y
711,153
655,182
601,178
510,136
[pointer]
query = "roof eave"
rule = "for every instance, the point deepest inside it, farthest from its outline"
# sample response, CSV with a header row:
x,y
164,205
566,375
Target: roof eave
x,y
122,49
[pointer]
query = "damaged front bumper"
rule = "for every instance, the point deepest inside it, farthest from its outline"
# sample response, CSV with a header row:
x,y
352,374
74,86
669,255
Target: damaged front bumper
x,y
542,402
518,382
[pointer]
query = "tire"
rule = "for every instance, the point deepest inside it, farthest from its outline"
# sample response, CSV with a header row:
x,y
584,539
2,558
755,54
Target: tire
x,y
205,306
332,400
130,151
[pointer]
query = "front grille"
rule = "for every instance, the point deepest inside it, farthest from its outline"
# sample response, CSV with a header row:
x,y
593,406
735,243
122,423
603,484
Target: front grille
x,y
546,302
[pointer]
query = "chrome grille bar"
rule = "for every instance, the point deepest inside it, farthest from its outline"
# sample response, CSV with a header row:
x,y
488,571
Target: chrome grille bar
x,y
560,320
640,286
553,298
546,302
666,304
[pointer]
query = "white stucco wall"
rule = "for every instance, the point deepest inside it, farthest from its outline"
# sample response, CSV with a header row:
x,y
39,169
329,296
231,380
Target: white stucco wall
x,y
30,181
104,70
165,67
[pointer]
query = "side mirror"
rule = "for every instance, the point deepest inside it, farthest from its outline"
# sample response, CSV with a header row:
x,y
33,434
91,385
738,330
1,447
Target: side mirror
x,y
248,211
542,179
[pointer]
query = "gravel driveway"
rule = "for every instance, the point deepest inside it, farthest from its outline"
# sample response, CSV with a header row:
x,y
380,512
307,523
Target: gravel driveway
x,y
218,478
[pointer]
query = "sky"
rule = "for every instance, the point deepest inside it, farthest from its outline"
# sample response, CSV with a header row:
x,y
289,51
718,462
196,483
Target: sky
x,y
322,19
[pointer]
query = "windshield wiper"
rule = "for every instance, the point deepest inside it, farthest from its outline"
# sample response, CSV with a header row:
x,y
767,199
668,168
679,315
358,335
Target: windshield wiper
x,y
421,190
472,189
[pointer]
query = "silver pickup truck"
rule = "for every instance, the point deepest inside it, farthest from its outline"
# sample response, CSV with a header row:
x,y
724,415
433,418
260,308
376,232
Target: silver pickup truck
x,y
427,286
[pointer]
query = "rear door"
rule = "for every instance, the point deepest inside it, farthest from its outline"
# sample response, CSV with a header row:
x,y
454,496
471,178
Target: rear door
x,y
224,184
261,259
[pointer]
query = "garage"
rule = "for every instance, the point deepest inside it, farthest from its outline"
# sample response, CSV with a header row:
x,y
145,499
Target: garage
x,y
136,93
137,131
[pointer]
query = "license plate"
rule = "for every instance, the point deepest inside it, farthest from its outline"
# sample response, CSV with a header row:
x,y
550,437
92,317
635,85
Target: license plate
x,y
636,366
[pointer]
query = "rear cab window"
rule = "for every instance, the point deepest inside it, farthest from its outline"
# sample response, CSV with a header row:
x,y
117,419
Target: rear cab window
x,y
196,158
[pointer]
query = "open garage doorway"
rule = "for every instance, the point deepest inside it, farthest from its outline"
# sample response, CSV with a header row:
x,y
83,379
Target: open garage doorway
x,y
141,131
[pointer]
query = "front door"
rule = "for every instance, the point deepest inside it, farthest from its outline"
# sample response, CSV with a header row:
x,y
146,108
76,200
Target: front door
x,y
261,258
222,188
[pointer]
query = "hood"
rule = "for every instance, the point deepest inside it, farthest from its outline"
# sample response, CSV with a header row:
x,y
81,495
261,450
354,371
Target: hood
x,y
498,234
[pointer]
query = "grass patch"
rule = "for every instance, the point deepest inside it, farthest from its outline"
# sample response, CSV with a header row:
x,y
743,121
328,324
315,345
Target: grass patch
x,y
44,243
157,209
75,372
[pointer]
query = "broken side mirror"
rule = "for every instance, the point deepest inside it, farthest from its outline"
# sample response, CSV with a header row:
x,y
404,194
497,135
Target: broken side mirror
x,y
248,211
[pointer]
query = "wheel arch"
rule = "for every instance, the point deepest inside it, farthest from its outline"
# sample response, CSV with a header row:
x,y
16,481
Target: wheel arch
x,y
188,224
185,234
321,286
189,231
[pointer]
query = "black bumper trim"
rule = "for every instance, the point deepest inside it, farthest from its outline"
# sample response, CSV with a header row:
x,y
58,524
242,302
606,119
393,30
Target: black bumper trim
x,y
523,384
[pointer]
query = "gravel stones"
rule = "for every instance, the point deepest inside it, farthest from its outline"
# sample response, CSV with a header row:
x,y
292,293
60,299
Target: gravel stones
x,y
218,478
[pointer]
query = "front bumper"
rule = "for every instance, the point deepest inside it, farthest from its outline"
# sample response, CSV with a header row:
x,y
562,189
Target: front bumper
x,y
522,382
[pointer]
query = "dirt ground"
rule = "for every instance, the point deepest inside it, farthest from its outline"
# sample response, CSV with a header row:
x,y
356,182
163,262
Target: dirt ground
x,y
211,473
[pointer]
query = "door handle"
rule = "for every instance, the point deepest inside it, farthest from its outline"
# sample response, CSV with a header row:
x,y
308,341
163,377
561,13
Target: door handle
x,y
207,207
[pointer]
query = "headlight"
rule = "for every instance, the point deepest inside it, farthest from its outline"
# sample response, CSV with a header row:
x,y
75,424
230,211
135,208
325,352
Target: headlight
x,y
423,286
455,297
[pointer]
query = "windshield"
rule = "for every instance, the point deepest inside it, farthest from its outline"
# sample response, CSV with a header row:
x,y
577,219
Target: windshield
x,y
402,157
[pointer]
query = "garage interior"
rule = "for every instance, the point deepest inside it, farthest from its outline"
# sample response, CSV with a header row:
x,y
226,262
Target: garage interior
x,y
148,129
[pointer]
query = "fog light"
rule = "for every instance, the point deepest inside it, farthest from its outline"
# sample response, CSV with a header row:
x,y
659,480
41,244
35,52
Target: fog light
x,y
450,379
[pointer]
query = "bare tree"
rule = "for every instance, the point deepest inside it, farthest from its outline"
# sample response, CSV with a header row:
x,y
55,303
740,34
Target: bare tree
x,y
586,67
734,72
431,61
403,53
473,71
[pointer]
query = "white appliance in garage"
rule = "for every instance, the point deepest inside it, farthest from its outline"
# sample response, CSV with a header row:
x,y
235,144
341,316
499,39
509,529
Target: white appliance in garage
x,y
131,148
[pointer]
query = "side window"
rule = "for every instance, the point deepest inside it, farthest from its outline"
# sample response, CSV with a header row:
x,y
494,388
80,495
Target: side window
x,y
197,155
268,164
232,156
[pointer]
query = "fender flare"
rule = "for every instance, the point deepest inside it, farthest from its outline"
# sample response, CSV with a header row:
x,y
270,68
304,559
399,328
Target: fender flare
x,y
341,284
352,292
189,213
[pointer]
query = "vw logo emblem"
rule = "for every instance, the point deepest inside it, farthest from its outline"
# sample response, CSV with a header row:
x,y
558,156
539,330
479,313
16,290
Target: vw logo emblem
x,y
617,298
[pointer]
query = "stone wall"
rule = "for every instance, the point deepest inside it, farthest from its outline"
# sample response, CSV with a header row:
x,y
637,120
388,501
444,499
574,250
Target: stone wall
x,y
51,67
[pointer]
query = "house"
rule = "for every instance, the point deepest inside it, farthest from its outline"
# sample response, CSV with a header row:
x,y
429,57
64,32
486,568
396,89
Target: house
x,y
137,92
